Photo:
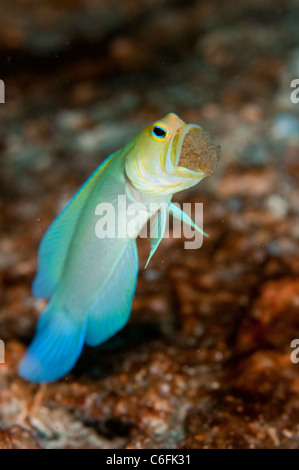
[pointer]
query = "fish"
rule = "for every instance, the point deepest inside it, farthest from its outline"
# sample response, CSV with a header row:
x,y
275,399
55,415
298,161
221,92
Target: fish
x,y
90,280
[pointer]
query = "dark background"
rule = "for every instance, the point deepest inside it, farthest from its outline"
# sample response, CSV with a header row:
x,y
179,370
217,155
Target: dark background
x,y
205,359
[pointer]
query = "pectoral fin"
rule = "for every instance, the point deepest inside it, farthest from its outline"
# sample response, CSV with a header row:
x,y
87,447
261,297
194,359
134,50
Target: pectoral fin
x,y
181,215
158,226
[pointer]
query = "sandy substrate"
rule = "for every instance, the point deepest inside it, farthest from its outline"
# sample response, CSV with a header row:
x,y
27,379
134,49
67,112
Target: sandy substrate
x,y
205,361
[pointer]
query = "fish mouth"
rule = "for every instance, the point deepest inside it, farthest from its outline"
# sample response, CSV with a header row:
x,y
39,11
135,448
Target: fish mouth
x,y
195,152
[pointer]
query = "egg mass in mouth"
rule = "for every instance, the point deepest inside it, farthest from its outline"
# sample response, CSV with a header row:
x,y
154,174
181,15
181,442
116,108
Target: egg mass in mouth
x,y
199,151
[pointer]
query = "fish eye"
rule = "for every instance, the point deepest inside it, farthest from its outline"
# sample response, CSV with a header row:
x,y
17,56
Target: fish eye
x,y
159,132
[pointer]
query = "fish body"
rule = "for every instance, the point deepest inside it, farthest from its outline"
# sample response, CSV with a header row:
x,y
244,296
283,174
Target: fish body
x,y
90,281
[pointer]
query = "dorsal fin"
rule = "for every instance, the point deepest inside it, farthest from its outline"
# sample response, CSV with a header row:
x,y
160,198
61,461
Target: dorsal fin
x,y
53,249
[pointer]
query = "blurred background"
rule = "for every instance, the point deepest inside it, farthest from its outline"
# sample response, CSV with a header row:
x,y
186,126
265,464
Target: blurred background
x,y
205,361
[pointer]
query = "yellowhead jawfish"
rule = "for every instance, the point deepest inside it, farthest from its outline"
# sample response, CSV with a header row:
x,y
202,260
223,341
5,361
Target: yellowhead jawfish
x,y
90,280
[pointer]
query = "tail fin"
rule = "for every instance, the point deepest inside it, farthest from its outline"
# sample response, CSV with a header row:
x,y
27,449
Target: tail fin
x,y
55,348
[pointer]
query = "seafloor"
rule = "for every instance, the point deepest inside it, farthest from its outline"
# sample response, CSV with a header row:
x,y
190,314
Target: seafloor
x,y
205,361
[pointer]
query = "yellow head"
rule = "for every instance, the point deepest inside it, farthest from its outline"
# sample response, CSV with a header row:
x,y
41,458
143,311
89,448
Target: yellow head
x,y
169,156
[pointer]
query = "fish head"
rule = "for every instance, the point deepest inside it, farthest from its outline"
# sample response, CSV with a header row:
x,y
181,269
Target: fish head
x,y
169,156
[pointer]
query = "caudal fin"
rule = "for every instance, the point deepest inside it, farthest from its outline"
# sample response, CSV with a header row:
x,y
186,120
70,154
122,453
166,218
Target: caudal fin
x,y
55,348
